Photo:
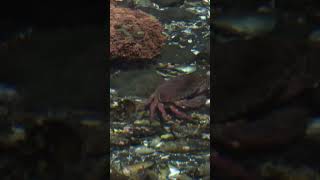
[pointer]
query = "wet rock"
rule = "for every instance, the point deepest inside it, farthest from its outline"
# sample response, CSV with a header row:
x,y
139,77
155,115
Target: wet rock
x,y
184,131
183,177
134,34
132,170
180,55
142,150
256,74
170,14
180,146
142,3
283,172
204,169
115,174
167,136
135,82
247,26
176,14
118,141
279,127
166,3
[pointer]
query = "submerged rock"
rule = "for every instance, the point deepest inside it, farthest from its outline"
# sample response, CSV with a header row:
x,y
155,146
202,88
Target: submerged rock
x,y
247,26
134,34
285,172
166,3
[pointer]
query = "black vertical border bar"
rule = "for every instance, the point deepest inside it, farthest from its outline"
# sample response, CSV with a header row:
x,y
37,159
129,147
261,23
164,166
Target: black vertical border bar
x,y
107,60
212,83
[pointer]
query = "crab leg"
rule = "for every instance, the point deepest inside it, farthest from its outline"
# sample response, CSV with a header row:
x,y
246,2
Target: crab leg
x,y
153,108
191,103
180,113
164,114
150,99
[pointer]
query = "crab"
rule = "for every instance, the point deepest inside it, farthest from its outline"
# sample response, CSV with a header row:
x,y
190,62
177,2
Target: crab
x,y
180,93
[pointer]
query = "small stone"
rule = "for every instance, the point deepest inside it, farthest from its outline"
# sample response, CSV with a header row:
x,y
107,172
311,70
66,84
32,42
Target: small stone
x,y
144,150
167,136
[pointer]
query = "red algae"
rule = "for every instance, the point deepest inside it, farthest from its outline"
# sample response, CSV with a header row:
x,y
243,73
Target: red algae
x,y
134,35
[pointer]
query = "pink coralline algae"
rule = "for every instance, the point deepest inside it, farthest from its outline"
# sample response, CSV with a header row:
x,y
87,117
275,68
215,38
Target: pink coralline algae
x,y
134,35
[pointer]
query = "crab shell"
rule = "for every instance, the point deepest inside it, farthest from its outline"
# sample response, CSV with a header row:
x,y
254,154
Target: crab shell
x,y
183,87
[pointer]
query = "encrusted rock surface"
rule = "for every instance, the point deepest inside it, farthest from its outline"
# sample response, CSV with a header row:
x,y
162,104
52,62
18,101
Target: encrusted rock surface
x,y
134,35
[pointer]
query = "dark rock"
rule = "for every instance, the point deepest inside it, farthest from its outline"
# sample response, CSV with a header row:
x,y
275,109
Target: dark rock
x,y
133,83
248,70
169,14
167,3
181,55
278,127
177,14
